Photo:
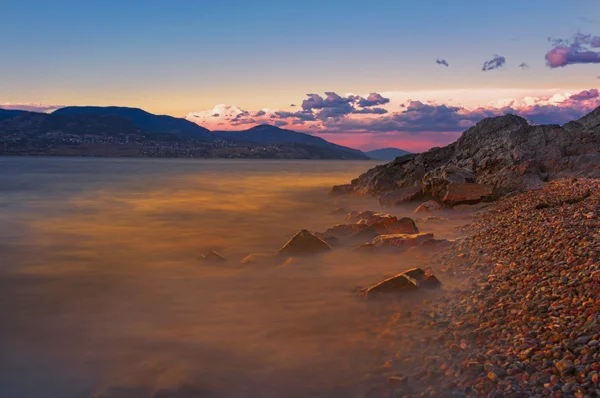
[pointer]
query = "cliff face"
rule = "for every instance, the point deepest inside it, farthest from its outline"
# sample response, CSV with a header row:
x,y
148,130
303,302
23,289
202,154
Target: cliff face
x,y
504,152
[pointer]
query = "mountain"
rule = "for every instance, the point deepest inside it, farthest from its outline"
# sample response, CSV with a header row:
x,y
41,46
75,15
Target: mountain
x,y
144,121
386,153
268,134
8,113
504,153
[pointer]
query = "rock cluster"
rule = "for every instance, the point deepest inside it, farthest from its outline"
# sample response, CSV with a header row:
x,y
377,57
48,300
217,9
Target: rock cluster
x,y
499,154
529,324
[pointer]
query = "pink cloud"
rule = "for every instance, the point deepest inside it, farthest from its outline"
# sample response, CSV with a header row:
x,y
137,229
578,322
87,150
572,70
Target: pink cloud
x,y
31,107
416,126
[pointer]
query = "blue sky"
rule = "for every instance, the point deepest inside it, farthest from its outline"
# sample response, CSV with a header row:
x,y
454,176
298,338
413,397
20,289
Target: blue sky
x,y
178,57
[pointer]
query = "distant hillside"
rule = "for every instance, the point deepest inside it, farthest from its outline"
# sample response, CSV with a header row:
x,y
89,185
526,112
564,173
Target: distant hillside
x,y
144,121
267,134
8,113
386,153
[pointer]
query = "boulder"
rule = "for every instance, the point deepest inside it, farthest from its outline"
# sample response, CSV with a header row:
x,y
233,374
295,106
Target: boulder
x,y
429,206
466,193
338,190
436,181
401,241
304,242
400,196
409,280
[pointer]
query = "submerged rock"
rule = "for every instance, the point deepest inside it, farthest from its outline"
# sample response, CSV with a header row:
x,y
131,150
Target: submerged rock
x,y
405,225
213,256
304,242
401,241
409,280
429,206
362,232
344,189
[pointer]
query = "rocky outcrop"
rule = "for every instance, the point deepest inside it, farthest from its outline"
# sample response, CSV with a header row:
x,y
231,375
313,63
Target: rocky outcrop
x,y
304,242
401,241
383,223
502,153
466,193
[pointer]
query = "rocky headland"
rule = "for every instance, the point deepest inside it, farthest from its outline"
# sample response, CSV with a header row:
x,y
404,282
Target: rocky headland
x,y
497,156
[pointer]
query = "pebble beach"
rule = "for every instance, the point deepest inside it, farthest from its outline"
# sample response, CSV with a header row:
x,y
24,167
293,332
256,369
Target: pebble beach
x,y
526,324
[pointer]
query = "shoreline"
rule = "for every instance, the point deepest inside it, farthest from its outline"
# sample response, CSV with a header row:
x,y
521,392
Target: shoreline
x,y
529,324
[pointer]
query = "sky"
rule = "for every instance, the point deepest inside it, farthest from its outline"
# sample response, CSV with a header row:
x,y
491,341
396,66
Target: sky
x,y
410,74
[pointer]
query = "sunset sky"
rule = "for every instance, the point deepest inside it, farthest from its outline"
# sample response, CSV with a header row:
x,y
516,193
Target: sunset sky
x,y
410,74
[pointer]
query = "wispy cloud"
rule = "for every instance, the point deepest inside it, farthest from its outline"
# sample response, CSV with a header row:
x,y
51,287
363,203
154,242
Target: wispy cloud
x,y
442,62
580,49
523,65
497,62
31,107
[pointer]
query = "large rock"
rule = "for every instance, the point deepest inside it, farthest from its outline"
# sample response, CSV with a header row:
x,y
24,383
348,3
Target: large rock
x,y
383,223
505,153
466,193
404,225
344,189
401,241
409,280
304,242
400,196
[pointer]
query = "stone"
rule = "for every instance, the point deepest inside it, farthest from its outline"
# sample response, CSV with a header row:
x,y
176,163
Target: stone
x,y
429,206
362,232
304,242
466,193
435,182
404,225
365,248
408,280
400,196
338,190
401,241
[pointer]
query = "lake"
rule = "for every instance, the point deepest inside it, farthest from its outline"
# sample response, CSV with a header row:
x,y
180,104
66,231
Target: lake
x,y
101,284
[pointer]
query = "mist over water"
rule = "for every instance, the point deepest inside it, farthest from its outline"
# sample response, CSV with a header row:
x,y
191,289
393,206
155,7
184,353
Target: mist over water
x,y
101,283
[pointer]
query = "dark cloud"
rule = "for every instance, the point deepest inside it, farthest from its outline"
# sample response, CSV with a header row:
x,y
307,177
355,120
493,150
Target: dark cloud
x,y
577,50
585,95
215,115
523,65
332,106
260,113
497,62
293,105
242,118
370,111
372,100
442,62
280,123
306,116
31,107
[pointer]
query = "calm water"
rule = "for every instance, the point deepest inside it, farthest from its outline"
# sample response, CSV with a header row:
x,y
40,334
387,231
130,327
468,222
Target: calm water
x,y
101,285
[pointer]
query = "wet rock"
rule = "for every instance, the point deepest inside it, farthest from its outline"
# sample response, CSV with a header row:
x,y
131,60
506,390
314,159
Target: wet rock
x,y
429,206
344,189
409,280
400,196
352,232
304,242
404,225
466,193
401,241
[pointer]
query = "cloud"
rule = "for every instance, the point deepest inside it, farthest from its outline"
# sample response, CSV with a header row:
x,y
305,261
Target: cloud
x,y
497,62
585,95
260,113
372,100
523,65
280,123
589,20
577,50
442,62
293,105
31,107
370,111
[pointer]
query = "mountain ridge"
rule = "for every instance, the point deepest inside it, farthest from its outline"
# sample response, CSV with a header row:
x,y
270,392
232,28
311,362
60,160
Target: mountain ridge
x,y
388,153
